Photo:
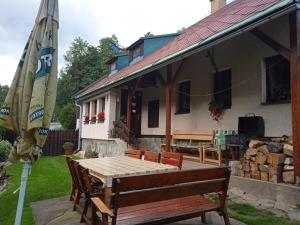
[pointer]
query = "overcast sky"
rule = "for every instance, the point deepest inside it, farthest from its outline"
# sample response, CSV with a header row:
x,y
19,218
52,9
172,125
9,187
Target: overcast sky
x,y
92,20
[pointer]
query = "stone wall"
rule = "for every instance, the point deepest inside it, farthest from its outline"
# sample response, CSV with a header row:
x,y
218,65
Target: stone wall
x,y
104,148
150,143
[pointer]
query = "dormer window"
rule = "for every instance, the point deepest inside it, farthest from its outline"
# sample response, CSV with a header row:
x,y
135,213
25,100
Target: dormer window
x,y
113,67
136,53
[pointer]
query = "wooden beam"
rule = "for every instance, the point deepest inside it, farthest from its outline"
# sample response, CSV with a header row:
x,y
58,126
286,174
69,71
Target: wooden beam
x,y
178,71
168,89
295,88
161,79
285,52
131,92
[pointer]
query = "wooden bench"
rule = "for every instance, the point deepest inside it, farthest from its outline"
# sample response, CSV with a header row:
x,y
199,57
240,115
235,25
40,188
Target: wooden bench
x,y
191,140
163,198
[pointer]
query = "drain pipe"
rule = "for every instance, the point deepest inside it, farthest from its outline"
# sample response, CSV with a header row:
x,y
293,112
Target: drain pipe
x,y
79,128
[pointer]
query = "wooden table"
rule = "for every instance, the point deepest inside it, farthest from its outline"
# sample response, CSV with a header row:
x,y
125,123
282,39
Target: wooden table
x,y
110,167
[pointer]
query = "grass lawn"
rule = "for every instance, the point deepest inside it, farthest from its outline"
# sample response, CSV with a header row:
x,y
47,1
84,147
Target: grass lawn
x,y
50,178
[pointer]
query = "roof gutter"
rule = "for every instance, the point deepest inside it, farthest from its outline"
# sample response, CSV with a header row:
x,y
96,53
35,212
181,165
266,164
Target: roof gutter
x,y
250,23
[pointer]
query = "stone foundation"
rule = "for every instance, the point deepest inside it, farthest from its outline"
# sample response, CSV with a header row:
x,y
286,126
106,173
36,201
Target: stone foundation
x,y
104,148
151,144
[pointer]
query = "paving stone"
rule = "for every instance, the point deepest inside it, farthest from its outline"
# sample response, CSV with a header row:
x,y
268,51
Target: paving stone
x,y
294,215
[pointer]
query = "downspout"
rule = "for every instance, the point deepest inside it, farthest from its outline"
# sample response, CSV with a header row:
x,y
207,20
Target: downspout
x,y
79,128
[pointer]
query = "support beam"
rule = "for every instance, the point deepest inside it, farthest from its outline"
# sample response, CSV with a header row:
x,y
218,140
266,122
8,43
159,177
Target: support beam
x,y
161,79
168,89
283,51
131,92
295,88
178,71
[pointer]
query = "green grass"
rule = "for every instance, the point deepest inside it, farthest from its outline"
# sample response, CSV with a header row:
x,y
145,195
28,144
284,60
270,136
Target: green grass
x,y
49,178
253,216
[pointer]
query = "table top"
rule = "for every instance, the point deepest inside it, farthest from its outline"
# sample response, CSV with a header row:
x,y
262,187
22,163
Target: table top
x,y
110,167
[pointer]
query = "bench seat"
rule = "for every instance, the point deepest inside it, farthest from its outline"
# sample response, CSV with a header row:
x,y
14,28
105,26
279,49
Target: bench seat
x,y
168,210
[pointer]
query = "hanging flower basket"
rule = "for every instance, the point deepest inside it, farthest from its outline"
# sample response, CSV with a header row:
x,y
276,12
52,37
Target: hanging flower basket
x,y
216,110
86,118
101,117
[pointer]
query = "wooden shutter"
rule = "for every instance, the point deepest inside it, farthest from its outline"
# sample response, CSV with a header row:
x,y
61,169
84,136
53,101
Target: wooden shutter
x,y
153,114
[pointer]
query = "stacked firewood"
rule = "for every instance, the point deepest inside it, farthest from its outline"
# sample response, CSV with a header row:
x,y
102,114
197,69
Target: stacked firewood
x,y
269,160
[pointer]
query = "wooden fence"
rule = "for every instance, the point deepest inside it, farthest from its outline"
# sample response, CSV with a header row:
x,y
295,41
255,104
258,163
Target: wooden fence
x,y
55,140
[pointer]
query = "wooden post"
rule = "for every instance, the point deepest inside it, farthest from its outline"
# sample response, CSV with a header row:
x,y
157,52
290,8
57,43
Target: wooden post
x,y
295,86
168,89
129,107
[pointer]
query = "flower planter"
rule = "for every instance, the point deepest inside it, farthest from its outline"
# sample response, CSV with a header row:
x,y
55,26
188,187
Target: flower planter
x,y
68,151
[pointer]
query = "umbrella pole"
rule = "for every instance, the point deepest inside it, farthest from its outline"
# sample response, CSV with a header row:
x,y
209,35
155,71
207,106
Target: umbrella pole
x,y
25,173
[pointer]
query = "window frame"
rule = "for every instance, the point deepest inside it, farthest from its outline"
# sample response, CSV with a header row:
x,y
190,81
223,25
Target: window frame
x,y
153,122
181,96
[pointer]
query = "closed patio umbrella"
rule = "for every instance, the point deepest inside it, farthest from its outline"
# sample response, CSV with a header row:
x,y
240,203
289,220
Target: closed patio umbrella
x,y
29,105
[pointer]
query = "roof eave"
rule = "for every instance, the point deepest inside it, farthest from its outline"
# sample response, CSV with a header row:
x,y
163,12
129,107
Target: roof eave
x,y
273,12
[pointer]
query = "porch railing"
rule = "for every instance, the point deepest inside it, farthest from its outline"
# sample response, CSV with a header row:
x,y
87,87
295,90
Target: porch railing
x,y
121,131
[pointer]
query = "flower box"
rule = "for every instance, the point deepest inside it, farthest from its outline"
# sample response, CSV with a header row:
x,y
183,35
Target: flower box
x,y
101,117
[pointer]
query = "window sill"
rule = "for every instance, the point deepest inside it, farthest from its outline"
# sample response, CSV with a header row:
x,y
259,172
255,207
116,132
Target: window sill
x,y
180,113
276,103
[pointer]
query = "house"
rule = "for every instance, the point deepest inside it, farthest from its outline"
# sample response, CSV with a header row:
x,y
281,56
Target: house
x,y
245,55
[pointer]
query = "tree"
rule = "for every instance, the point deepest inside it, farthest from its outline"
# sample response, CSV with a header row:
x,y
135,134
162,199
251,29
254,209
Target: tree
x,y
148,34
67,116
84,64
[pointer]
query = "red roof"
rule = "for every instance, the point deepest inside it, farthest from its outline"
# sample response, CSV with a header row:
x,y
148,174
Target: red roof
x,y
231,14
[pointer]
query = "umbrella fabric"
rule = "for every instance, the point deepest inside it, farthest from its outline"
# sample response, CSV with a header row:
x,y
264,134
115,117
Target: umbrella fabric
x,y
30,102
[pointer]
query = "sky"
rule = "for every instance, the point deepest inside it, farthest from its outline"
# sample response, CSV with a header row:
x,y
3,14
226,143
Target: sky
x,y
92,20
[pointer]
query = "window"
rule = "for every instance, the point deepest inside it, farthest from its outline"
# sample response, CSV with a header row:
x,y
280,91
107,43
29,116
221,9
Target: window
x,y
136,52
94,107
102,102
184,97
87,108
278,87
153,114
222,88
113,67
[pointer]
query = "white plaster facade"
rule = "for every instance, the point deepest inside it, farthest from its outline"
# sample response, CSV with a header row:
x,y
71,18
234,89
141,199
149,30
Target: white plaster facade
x,y
99,130
244,55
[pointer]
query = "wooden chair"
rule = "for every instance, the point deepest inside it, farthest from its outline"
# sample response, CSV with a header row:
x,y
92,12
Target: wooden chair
x,y
172,158
75,185
135,154
152,156
89,190
163,198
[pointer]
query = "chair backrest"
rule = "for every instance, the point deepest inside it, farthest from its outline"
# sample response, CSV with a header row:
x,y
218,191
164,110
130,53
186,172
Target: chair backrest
x,y
85,180
75,180
152,156
193,135
135,154
172,158
135,190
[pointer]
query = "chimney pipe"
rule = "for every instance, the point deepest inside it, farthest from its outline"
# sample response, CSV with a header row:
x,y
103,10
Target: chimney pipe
x,y
217,4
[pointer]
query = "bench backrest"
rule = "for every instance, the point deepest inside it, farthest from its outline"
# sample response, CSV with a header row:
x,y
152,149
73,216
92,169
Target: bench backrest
x,y
193,135
135,190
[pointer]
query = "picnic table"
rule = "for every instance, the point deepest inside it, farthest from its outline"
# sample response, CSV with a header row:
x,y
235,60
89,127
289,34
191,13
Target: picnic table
x,y
111,167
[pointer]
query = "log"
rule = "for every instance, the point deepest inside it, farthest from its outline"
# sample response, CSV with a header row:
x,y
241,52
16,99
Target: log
x,y
290,140
288,167
275,169
276,159
288,150
264,149
251,152
247,175
255,175
241,173
263,168
275,147
264,176
261,158
253,159
253,166
255,143
289,161
288,177
246,166
275,178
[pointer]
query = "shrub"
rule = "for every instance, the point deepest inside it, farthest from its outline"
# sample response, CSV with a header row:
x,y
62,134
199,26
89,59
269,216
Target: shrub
x,y
68,145
5,148
67,116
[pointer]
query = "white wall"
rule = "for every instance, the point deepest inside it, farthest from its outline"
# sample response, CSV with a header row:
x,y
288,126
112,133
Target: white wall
x,y
100,130
244,55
